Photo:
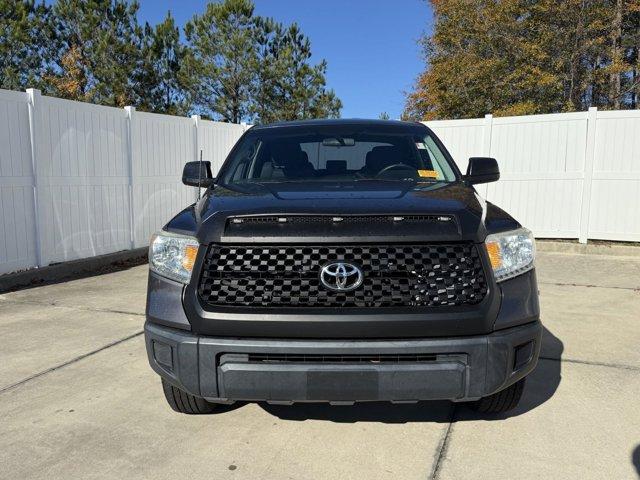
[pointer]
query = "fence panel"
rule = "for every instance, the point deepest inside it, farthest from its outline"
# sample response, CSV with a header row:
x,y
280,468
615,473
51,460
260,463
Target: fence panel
x,y
79,180
463,138
160,146
82,179
17,241
542,161
615,191
216,139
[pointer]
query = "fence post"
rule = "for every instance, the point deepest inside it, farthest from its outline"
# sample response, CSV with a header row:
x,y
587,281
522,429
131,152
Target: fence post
x,y
589,162
132,232
488,126
34,99
196,126
486,148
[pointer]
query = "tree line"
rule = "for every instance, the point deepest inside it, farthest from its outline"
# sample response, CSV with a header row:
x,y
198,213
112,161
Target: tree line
x,y
519,57
228,64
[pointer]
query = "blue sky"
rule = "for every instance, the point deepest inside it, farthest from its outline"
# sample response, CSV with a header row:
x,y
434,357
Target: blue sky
x,y
370,45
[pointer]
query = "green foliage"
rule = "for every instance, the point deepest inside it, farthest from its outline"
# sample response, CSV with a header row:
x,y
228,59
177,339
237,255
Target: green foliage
x,y
516,57
252,67
301,92
222,40
97,48
164,80
23,39
235,66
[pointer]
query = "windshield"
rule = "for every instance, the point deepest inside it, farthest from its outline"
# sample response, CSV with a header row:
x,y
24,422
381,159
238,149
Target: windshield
x,y
336,156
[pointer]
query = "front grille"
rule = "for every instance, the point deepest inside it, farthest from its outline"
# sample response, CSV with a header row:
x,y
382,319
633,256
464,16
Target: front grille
x,y
269,276
342,359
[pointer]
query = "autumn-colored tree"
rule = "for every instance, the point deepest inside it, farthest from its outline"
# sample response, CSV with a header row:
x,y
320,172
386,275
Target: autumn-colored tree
x,y
515,57
71,81
97,50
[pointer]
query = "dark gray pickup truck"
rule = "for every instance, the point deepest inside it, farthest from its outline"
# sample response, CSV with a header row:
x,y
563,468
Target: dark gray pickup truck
x,y
342,261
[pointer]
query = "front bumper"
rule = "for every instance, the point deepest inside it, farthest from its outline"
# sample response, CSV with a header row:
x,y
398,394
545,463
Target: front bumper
x,y
457,368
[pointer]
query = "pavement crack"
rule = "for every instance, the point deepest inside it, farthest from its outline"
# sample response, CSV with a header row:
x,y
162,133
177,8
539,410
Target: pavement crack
x,y
70,362
72,307
443,446
587,285
589,362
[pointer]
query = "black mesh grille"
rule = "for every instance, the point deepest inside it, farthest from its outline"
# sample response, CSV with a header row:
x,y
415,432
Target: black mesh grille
x,y
394,276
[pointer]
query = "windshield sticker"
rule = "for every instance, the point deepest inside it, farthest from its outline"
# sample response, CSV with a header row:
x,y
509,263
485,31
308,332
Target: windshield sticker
x,y
421,146
428,173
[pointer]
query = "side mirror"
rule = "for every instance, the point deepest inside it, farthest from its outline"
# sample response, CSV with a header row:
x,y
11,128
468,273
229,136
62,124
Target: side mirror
x,y
197,174
482,170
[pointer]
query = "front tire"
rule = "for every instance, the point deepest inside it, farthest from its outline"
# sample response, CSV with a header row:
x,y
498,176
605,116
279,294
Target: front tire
x,y
501,401
183,402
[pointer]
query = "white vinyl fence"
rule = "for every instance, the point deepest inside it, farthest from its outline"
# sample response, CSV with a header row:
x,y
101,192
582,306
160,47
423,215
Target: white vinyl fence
x,y
567,175
78,180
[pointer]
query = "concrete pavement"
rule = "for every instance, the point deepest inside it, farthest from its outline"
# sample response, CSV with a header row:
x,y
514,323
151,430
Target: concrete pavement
x,y
78,400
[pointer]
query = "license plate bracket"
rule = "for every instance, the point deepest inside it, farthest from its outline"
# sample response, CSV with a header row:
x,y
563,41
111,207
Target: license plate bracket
x,y
346,385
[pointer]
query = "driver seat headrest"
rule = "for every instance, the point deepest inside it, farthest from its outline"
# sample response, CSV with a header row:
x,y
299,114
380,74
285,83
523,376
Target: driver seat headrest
x,y
381,157
298,166
291,159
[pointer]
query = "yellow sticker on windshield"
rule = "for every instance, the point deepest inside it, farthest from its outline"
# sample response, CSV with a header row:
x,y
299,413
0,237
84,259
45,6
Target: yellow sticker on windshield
x,y
428,173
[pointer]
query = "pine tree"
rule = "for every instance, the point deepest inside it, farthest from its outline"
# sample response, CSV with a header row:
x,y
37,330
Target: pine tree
x,y
222,40
235,65
269,90
253,68
289,87
97,50
164,82
305,94
23,38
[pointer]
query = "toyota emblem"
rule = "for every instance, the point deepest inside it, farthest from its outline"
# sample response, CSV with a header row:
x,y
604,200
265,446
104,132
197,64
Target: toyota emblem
x,y
341,277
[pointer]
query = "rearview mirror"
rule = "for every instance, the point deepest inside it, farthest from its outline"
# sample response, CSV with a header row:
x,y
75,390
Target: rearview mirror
x,y
338,142
197,174
482,170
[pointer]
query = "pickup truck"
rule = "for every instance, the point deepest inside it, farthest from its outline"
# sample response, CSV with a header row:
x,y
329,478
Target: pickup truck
x,y
342,261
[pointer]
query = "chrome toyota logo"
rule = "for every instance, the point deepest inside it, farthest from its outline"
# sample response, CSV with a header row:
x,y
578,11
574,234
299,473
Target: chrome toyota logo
x,y
341,277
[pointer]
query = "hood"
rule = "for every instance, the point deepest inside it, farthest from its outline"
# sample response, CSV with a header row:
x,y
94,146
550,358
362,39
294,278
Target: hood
x,y
289,212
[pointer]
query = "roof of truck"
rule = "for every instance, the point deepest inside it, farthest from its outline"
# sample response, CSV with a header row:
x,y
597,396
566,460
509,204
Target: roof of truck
x,y
339,122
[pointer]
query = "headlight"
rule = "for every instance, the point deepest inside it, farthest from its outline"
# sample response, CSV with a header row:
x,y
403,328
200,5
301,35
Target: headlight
x,y
511,253
172,255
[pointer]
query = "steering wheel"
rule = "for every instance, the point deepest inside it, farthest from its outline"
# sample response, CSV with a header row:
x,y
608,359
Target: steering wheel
x,y
395,166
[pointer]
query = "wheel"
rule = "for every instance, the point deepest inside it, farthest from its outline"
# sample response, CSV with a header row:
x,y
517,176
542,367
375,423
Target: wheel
x,y
184,402
501,401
